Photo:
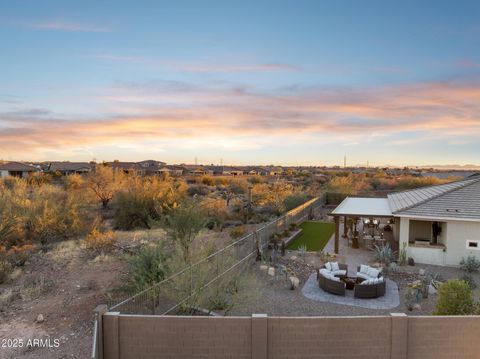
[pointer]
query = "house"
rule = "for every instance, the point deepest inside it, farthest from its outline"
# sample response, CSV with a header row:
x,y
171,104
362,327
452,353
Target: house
x,y
151,166
68,168
127,167
172,170
17,169
435,224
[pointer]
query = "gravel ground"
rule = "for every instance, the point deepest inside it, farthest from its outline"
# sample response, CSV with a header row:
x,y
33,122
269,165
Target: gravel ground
x,y
273,296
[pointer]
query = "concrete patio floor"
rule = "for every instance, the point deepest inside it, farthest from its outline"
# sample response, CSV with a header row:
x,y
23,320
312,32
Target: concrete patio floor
x,y
353,257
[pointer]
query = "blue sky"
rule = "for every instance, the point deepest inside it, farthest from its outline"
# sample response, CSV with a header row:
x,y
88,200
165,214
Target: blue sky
x,y
278,82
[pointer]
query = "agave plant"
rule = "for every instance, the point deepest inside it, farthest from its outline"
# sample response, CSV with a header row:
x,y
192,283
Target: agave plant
x,y
303,251
384,254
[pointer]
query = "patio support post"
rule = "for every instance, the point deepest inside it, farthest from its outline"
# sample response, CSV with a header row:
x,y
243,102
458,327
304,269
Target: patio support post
x,y
337,232
345,227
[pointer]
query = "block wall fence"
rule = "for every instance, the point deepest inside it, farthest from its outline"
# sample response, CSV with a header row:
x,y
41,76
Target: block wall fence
x,y
395,336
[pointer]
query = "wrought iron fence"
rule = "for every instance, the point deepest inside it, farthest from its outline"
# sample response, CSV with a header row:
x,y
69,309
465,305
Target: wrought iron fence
x,y
186,286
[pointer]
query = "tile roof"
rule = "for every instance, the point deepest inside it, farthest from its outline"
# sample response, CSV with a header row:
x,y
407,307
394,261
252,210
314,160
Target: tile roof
x,y
459,199
19,167
69,166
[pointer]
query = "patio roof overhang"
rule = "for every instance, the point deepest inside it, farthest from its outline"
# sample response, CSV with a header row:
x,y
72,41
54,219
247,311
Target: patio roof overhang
x,y
363,207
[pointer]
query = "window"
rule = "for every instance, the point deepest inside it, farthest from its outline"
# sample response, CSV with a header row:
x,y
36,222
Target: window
x,y
472,244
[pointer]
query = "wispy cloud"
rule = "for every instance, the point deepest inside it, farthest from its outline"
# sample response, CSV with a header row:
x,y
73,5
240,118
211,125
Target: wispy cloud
x,y
69,27
266,67
178,115
200,67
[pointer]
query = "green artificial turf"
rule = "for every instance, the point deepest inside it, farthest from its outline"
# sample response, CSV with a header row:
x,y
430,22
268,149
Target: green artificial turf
x,y
315,235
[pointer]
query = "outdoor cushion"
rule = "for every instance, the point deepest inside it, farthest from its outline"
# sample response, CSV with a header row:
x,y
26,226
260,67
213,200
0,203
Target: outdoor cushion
x,y
362,275
380,279
372,272
336,279
324,272
335,266
364,268
328,265
339,272
365,282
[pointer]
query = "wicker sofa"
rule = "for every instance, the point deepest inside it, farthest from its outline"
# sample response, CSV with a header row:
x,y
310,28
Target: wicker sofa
x,y
370,290
372,286
331,282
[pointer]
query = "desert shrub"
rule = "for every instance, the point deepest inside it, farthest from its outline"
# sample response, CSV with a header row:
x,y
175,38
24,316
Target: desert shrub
x,y
18,255
100,242
5,270
208,181
294,200
198,190
133,209
454,298
51,214
470,264
238,232
147,268
255,179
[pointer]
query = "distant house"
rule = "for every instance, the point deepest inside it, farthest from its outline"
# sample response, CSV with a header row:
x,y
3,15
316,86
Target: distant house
x,y
69,168
151,166
127,167
17,169
232,171
435,224
223,171
171,170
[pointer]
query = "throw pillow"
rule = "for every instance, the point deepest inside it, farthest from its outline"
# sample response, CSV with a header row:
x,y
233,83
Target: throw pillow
x,y
335,266
364,268
328,266
372,272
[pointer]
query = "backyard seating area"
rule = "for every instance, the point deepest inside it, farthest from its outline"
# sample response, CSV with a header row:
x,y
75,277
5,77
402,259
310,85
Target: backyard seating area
x,y
368,283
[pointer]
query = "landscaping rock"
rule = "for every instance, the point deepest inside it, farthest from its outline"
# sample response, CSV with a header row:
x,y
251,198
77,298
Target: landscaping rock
x,y
271,271
431,289
40,318
411,262
263,267
294,282
417,306
293,258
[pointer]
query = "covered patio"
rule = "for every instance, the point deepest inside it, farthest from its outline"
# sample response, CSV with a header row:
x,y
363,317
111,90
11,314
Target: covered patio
x,y
364,219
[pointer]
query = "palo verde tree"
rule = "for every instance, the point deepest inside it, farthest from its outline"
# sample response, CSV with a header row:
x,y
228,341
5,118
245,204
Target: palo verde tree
x,y
104,182
184,224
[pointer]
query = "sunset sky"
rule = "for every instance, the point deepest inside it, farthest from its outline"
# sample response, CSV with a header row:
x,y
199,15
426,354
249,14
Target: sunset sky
x,y
246,82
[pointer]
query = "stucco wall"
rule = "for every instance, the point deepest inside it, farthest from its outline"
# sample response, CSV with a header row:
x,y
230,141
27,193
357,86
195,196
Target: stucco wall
x,y
457,234
454,236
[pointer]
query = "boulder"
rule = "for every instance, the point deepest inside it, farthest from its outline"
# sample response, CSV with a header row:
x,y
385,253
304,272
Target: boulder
x,y
294,282
271,271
